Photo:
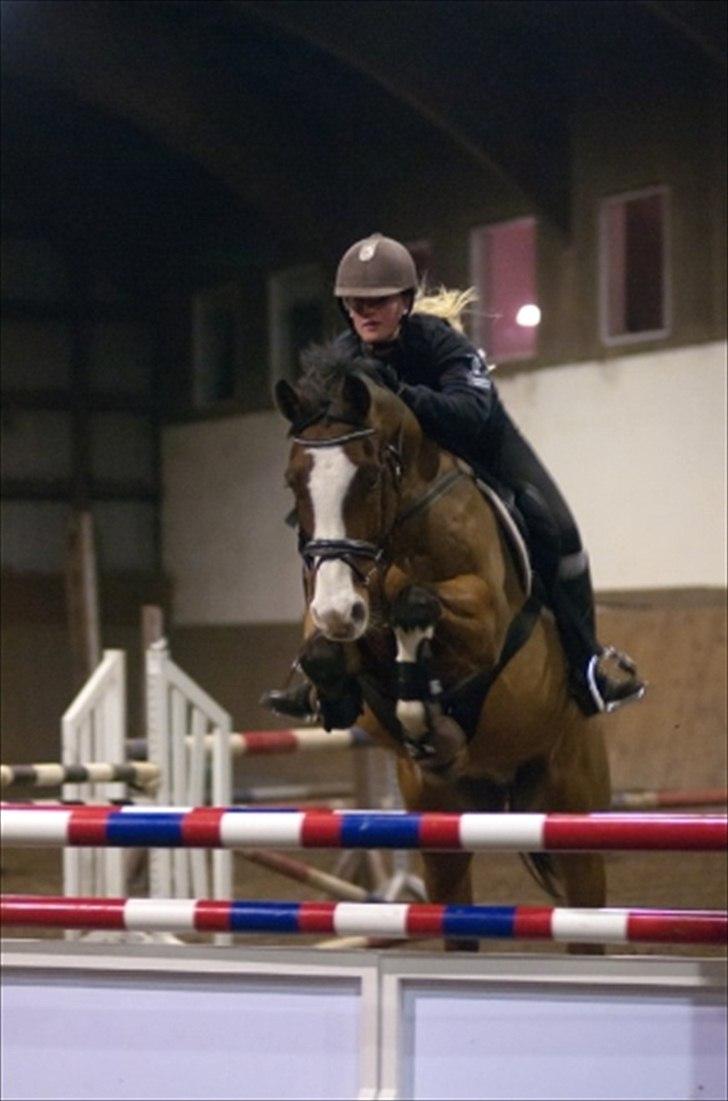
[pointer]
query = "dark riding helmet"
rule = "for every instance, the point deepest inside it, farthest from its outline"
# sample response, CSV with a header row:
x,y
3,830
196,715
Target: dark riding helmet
x,y
374,267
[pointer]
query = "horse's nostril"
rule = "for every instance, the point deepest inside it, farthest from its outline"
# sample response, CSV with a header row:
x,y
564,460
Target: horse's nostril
x,y
359,612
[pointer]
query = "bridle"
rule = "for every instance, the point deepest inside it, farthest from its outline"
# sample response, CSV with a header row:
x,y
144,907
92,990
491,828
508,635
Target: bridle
x,y
316,551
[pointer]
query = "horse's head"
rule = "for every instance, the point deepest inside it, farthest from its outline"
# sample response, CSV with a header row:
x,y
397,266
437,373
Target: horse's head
x,y
344,469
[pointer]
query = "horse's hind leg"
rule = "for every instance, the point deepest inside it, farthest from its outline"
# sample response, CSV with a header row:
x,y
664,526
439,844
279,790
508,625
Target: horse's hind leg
x,y
447,875
581,786
448,881
585,884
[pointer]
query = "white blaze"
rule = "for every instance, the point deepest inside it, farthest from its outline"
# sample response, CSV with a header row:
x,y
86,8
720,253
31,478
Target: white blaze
x,y
331,476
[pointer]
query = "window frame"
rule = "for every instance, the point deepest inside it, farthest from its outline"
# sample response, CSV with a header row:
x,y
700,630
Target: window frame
x,y
647,335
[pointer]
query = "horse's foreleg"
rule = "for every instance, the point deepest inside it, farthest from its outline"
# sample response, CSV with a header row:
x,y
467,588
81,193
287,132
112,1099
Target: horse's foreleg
x,y
331,668
414,615
432,738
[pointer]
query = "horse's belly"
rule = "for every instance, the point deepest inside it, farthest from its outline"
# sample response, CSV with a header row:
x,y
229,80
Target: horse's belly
x,y
504,741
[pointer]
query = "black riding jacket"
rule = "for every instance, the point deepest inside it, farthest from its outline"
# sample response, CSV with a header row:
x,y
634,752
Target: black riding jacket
x,y
445,383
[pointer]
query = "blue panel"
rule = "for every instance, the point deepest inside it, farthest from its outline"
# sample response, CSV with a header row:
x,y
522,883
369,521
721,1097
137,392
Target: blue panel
x,y
154,831
264,917
374,831
479,921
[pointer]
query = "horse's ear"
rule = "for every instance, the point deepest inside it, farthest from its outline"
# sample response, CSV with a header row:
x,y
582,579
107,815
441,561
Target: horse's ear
x,y
287,400
357,395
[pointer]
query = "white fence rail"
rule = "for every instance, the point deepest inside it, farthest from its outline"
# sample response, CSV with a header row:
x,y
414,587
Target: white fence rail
x,y
180,718
93,728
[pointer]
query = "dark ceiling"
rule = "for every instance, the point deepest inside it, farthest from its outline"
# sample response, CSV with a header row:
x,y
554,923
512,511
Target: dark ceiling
x,y
283,127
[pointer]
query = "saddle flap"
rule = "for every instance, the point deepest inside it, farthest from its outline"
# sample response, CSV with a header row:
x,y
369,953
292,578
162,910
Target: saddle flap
x,y
514,539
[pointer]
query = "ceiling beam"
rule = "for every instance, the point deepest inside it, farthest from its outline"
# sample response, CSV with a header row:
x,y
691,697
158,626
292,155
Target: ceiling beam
x,y
492,108
114,58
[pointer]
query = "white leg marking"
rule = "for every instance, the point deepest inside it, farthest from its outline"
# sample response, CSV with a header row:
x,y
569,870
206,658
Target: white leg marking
x,y
408,641
411,713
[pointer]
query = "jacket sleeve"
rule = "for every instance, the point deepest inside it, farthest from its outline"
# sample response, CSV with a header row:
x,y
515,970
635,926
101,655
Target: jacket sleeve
x,y
456,412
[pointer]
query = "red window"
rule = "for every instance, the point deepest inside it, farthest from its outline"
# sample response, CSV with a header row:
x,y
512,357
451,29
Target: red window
x,y
503,271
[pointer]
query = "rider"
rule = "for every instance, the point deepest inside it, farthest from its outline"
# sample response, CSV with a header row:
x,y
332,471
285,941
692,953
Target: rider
x,y
443,379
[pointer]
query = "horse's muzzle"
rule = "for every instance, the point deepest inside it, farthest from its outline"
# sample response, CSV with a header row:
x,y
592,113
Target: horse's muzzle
x,y
342,624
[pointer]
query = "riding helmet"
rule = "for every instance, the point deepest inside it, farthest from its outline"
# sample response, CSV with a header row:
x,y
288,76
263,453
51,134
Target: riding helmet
x,y
374,267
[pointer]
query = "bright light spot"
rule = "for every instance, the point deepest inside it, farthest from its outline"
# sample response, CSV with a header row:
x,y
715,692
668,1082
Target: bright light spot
x,y
528,316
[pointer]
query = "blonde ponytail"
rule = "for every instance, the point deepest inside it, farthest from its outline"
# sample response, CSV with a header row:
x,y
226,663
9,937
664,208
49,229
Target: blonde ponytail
x,y
447,304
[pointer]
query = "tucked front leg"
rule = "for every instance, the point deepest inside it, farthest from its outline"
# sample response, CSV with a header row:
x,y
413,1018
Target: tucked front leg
x,y
433,739
413,616
339,696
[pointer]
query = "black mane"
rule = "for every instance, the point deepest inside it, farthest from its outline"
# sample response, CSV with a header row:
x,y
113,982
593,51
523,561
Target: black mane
x,y
324,368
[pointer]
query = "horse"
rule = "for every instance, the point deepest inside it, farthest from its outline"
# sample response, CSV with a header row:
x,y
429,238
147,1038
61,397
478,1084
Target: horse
x,y
422,625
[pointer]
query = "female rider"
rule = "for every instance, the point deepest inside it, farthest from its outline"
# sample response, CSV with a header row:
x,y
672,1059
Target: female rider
x,y
443,379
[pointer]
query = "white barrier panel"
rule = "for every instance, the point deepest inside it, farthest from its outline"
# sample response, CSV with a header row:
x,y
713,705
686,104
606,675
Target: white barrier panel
x,y
182,719
156,1022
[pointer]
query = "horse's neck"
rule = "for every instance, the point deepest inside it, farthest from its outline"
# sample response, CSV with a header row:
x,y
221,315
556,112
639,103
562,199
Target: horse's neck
x,y
428,481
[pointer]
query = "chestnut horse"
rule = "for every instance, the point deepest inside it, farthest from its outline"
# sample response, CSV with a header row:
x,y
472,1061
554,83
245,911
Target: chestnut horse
x,y
420,619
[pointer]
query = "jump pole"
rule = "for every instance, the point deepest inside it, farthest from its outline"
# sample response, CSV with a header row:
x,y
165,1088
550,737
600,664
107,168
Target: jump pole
x,y
398,920
49,774
331,885
240,827
649,799
255,743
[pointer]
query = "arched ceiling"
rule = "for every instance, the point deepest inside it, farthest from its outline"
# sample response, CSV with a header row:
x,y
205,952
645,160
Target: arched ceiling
x,y
296,119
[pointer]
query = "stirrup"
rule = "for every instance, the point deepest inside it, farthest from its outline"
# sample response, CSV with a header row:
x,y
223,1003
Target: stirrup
x,y
607,695
624,661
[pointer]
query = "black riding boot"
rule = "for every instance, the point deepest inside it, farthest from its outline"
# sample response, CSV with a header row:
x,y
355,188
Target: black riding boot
x,y
593,688
296,702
